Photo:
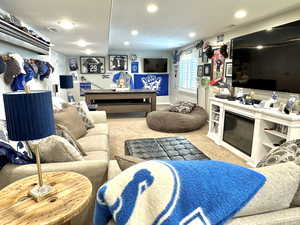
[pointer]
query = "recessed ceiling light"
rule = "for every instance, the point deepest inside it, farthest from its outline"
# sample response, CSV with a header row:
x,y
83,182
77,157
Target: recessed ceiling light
x,y
66,24
134,32
192,34
126,43
52,45
259,47
152,8
240,14
82,43
88,51
269,29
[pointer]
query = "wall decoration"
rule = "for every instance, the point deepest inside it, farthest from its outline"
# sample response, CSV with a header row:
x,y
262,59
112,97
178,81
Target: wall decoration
x,y
200,70
73,64
154,82
207,70
134,67
204,57
92,65
200,52
220,38
218,61
118,62
106,76
228,70
85,86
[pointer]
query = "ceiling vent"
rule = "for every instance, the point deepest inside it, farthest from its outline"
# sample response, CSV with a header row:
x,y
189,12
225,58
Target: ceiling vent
x,y
52,29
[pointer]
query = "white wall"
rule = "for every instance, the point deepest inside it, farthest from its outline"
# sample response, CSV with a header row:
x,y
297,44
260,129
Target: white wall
x,y
243,30
106,83
57,60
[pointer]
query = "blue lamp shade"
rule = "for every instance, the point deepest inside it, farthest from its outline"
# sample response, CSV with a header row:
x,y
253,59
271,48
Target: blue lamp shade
x,y
66,81
29,116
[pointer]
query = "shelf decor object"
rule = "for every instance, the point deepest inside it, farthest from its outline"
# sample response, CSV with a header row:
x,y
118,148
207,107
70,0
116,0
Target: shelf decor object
x,y
29,116
66,82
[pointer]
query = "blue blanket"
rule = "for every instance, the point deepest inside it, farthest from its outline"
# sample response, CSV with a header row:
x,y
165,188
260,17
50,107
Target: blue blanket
x,y
10,155
176,192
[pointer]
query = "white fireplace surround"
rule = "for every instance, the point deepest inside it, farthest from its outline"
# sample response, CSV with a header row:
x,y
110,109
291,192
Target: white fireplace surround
x,y
264,137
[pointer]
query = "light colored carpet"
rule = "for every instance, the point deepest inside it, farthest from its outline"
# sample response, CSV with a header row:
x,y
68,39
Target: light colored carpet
x,y
124,128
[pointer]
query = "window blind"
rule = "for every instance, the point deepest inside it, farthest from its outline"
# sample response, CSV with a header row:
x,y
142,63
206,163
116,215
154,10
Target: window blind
x,y
188,65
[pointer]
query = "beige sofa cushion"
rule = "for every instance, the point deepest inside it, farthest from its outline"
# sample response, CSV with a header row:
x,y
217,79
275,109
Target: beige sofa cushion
x,y
94,143
56,149
127,161
70,118
98,155
277,193
100,128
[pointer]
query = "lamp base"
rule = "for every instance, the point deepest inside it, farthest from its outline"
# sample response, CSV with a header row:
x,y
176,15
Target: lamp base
x,y
40,193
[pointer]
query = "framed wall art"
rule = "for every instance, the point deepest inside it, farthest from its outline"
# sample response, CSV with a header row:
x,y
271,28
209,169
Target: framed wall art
x,y
200,52
200,71
134,67
204,57
118,62
207,70
92,65
228,69
218,62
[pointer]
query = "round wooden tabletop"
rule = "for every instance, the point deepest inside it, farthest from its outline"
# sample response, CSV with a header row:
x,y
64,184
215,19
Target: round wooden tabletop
x,y
73,193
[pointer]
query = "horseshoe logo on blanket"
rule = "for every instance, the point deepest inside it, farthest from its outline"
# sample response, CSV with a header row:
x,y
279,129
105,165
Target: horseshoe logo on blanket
x,y
176,192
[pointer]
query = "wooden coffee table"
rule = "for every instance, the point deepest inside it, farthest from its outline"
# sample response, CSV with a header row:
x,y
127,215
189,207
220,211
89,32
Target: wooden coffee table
x,y
72,197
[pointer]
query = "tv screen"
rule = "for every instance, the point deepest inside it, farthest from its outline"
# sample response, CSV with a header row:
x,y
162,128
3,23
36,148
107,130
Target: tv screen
x,y
268,60
155,65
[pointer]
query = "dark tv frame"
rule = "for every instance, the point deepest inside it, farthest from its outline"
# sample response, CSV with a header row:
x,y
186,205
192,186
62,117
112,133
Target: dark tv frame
x,y
154,71
231,56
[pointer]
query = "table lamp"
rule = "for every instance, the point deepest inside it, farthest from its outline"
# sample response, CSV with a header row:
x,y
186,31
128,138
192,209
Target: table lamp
x,y
66,82
29,116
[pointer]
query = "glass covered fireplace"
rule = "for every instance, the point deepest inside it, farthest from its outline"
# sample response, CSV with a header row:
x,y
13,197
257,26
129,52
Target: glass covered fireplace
x,y
238,132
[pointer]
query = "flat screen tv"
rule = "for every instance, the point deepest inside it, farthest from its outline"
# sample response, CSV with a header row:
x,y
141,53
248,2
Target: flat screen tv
x,y
268,60
157,65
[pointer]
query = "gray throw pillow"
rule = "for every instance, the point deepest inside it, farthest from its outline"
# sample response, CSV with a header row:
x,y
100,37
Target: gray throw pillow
x,y
182,107
65,133
286,152
282,182
56,149
289,151
88,123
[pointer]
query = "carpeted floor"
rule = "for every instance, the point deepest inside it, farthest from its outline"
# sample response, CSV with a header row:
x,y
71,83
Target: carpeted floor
x,y
132,127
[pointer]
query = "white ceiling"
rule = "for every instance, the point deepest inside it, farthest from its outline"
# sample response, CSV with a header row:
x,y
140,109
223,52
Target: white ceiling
x,y
166,29
169,27
91,17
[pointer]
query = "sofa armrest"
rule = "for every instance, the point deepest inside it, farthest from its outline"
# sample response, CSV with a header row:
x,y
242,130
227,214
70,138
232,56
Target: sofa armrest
x,y
113,169
98,116
92,169
289,216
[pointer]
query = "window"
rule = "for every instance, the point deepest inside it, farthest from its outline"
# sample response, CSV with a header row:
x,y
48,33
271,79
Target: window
x,y
188,65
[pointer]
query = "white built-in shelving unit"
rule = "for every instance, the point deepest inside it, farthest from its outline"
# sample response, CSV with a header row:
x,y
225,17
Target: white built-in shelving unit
x,y
271,127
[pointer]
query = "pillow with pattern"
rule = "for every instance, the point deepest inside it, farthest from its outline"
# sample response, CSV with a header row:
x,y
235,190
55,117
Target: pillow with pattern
x,y
88,123
182,107
20,146
289,151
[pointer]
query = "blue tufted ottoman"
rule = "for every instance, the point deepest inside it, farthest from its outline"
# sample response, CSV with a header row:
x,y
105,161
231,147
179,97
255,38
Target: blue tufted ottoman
x,y
168,148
